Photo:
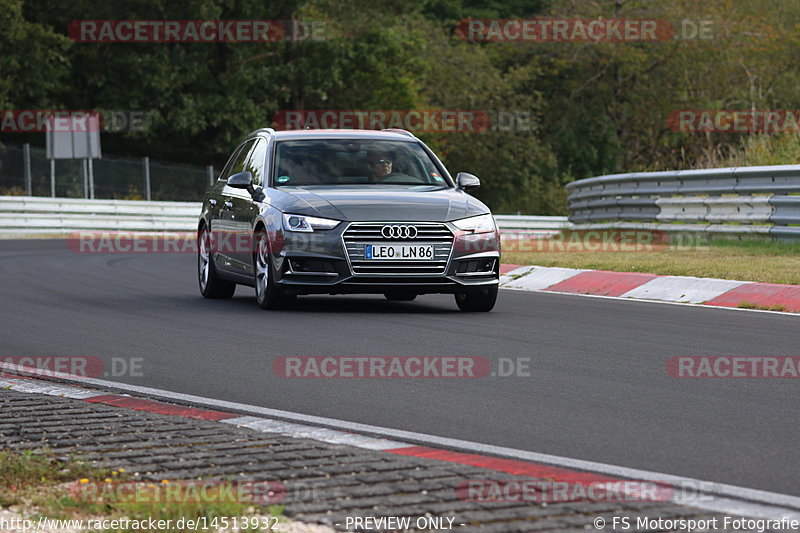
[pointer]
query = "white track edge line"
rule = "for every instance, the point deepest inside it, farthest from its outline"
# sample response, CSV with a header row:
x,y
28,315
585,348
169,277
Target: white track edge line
x,y
737,500
530,268
331,436
662,302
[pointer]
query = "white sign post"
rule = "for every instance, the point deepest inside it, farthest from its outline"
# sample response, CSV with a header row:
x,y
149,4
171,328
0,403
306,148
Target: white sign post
x,y
74,135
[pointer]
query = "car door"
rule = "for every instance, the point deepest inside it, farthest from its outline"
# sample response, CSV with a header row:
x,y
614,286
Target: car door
x,y
215,209
244,211
226,230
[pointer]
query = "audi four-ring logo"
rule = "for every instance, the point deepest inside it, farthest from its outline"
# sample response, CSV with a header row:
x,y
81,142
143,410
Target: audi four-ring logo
x,y
399,232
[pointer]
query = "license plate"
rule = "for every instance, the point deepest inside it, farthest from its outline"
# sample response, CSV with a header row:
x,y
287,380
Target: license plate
x,y
399,252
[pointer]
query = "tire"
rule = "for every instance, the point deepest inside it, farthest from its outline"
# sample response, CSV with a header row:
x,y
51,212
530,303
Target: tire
x,y
399,296
268,294
477,300
211,285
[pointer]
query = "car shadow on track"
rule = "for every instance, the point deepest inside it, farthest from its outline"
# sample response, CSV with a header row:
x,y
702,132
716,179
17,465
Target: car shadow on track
x,y
361,304
244,301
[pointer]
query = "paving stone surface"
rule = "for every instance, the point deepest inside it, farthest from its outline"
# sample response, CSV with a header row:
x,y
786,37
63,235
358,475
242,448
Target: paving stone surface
x,y
325,483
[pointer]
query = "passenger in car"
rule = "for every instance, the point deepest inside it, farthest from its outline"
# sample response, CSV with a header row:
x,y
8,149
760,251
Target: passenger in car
x,y
302,170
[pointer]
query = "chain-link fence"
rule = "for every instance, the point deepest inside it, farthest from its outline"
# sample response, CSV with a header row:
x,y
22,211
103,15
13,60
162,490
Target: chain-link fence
x,y
25,170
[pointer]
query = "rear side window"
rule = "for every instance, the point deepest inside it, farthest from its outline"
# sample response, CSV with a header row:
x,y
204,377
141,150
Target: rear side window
x,y
224,174
236,163
255,161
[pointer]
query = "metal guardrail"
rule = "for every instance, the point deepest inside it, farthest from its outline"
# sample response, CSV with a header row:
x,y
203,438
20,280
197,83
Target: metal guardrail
x,y
743,200
532,223
25,215
752,200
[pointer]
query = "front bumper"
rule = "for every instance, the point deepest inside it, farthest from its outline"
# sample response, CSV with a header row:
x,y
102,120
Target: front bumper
x,y
333,262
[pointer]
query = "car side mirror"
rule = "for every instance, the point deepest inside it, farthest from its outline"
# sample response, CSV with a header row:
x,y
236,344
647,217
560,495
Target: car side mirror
x,y
466,181
241,180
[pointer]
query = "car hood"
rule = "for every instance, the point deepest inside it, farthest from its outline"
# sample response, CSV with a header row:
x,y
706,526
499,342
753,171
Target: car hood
x,y
379,202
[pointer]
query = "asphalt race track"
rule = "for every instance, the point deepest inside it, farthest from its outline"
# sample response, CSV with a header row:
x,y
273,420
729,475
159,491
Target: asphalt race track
x,y
598,389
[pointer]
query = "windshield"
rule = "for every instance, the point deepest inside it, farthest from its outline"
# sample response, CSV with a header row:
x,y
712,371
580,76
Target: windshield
x,y
348,162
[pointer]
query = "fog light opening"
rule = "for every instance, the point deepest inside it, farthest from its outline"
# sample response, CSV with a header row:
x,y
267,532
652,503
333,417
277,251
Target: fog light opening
x,y
310,266
477,267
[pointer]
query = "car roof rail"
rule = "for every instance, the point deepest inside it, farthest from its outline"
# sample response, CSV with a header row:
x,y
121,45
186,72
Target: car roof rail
x,y
268,131
401,132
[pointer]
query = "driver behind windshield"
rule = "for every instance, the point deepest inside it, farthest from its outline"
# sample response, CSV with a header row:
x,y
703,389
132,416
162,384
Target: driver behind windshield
x,y
379,165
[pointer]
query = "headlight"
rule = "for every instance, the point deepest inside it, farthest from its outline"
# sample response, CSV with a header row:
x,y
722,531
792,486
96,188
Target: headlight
x,y
306,223
478,224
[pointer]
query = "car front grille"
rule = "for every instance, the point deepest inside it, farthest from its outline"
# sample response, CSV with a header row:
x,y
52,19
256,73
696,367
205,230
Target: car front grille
x,y
359,234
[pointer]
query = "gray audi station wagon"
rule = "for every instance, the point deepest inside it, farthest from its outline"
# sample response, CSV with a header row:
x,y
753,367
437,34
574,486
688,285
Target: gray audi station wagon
x,y
345,211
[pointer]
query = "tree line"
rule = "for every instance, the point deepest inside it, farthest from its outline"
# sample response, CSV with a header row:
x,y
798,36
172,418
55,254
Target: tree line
x,y
544,109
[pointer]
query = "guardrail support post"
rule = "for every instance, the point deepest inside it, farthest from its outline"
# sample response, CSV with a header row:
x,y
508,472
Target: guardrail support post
x,y
91,177
210,169
52,178
85,175
26,156
146,167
